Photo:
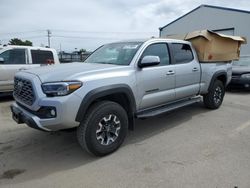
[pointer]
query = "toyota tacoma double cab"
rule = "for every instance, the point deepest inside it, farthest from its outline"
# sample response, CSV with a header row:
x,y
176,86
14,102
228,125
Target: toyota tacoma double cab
x,y
116,84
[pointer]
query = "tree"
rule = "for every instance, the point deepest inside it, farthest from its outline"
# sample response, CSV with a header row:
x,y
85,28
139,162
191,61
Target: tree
x,y
16,41
82,51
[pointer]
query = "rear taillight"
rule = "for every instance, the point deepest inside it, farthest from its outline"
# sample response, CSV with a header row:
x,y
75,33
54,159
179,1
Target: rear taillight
x,y
50,62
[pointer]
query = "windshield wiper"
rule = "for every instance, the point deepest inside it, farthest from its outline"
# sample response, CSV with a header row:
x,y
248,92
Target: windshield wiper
x,y
102,62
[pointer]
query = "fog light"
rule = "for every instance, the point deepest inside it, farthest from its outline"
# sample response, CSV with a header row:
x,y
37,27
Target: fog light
x,y
53,112
46,112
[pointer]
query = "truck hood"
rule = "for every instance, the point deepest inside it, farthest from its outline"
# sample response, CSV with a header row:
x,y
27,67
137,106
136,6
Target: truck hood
x,y
240,69
70,71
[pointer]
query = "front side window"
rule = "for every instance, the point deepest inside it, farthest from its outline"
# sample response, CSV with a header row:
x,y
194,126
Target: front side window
x,y
160,50
13,57
115,53
42,57
182,53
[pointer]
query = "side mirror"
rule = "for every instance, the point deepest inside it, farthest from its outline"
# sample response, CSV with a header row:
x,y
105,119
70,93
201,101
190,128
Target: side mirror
x,y
148,61
1,60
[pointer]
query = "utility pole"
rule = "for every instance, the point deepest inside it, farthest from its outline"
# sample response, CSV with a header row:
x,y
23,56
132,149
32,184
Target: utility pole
x,y
61,50
49,35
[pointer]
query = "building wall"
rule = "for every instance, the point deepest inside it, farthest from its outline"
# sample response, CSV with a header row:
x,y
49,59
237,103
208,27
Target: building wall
x,y
229,22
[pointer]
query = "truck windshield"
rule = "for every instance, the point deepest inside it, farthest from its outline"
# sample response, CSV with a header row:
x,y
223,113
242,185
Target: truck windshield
x,y
115,53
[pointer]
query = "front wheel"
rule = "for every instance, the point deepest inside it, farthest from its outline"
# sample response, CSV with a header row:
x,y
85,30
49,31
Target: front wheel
x,y
214,98
103,129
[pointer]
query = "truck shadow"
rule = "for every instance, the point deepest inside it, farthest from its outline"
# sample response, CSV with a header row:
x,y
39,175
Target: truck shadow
x,y
153,126
239,91
38,154
6,97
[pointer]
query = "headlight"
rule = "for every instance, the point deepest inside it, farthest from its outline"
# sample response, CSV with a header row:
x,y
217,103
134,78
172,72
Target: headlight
x,y
245,76
60,88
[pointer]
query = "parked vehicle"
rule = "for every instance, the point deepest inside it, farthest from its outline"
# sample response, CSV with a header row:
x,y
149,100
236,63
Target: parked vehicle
x,y
15,58
240,74
117,83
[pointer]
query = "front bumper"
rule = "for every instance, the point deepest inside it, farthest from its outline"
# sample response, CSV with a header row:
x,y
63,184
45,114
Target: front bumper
x,y
21,116
66,109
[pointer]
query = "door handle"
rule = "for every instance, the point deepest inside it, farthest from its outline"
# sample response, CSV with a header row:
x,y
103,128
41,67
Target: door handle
x,y
171,72
195,69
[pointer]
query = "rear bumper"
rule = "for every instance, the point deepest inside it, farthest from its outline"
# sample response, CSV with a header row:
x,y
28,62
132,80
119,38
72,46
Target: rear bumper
x,y
239,83
6,87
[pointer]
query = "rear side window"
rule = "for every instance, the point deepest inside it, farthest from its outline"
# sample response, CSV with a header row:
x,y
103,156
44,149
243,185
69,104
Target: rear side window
x,y
182,53
14,57
159,49
42,57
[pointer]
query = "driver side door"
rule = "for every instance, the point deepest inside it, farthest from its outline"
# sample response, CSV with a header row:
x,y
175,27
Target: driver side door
x,y
156,84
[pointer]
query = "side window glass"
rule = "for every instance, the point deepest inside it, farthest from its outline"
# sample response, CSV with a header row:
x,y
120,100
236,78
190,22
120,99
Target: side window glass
x,y
160,50
42,57
13,57
5,55
182,53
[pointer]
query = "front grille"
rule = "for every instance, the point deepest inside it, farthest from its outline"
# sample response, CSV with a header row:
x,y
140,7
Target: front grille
x,y
23,91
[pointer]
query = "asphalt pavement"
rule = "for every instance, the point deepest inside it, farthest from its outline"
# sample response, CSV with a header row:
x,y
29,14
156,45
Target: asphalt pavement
x,y
190,147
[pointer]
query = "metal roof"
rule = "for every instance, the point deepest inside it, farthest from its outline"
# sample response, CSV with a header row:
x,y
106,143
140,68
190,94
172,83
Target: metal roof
x,y
151,39
208,6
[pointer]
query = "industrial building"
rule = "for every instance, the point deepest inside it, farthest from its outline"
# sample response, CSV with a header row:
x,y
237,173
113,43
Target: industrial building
x,y
219,19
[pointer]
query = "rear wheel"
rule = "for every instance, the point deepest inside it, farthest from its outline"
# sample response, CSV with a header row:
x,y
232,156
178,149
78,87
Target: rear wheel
x,y
215,96
104,128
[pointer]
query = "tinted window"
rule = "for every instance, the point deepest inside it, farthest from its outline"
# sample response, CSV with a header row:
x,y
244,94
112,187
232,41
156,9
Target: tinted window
x,y
160,50
42,57
182,53
15,56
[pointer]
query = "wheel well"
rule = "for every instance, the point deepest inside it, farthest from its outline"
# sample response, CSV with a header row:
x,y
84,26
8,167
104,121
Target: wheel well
x,y
222,78
123,100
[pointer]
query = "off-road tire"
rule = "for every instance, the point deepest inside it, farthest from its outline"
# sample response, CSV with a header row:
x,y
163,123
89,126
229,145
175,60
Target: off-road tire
x,y
214,98
87,131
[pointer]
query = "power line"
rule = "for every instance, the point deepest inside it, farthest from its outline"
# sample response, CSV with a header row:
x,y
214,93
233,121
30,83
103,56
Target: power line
x,y
106,32
80,37
84,35
113,35
81,31
28,37
49,35
22,32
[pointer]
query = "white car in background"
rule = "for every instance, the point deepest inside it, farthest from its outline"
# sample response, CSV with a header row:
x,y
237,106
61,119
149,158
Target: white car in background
x,y
14,58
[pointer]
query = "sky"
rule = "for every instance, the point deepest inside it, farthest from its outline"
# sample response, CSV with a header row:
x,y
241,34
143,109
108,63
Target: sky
x,y
87,24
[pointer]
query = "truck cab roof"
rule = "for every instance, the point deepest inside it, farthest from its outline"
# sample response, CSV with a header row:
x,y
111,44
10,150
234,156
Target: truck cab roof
x,y
25,47
157,40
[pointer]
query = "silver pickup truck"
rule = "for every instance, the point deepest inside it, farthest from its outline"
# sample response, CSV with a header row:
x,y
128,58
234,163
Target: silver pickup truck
x,y
116,84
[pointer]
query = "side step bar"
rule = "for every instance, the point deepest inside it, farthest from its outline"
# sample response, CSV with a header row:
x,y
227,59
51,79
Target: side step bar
x,y
166,108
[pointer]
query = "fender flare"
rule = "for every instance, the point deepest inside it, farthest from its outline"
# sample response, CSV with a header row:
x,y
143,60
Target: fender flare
x,y
215,76
100,92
